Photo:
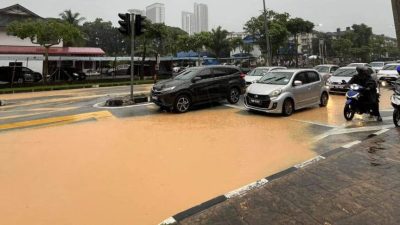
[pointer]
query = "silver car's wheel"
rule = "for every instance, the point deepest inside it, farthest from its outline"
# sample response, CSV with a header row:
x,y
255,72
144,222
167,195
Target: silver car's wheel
x,y
182,104
288,107
324,100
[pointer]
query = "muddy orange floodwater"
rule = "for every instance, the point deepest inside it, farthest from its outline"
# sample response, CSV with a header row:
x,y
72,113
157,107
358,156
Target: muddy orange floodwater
x,y
141,170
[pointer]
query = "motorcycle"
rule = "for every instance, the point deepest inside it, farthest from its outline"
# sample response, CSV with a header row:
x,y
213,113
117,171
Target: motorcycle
x,y
395,100
355,103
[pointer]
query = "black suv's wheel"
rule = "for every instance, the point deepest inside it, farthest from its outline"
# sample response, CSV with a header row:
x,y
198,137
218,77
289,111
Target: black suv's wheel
x,y
288,107
234,95
324,100
182,104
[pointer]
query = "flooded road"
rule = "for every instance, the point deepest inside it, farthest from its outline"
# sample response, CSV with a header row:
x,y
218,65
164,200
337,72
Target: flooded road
x,y
140,170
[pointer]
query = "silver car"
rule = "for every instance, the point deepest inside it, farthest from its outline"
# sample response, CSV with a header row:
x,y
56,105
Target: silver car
x,y
338,81
286,91
259,72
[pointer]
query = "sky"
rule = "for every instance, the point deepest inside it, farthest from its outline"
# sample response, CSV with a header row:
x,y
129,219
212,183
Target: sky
x,y
328,15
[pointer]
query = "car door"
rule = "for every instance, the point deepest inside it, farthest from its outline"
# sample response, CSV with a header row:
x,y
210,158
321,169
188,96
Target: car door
x,y
315,84
221,77
204,89
300,93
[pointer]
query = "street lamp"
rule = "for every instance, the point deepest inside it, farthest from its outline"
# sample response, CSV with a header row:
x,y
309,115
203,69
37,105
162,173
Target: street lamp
x,y
269,60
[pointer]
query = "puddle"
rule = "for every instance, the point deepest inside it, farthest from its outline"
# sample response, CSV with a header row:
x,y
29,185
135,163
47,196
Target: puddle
x,y
140,170
376,157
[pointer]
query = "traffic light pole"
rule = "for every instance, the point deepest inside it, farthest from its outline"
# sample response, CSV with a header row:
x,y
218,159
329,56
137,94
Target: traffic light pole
x,y
132,54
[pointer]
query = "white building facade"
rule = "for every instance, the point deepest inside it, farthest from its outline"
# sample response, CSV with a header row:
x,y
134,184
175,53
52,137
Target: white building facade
x,y
156,13
188,22
201,17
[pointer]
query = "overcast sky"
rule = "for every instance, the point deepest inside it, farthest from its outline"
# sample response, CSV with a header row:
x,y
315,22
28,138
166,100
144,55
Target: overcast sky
x,y
232,14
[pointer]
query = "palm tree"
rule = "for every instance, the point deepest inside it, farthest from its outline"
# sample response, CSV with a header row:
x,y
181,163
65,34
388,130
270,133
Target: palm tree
x,y
219,42
72,18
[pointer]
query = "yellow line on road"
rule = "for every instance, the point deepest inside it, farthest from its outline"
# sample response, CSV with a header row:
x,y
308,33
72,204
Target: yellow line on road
x,y
37,113
58,120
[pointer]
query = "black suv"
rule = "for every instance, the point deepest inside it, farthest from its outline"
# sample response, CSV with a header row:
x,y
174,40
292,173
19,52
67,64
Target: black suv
x,y
21,74
199,85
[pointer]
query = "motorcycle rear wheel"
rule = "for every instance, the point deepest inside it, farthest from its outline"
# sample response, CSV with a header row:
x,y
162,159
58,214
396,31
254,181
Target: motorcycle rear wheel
x,y
396,117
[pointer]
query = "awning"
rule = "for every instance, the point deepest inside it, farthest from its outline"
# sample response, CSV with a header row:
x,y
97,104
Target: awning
x,y
53,51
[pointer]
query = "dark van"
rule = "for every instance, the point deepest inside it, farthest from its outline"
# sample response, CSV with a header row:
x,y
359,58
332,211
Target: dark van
x,y
199,85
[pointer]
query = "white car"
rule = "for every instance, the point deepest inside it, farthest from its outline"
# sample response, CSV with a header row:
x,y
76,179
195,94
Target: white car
x,y
389,72
338,81
284,91
259,72
326,70
377,65
358,64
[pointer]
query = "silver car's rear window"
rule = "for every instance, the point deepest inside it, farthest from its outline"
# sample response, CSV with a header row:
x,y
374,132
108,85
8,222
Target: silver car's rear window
x,y
276,78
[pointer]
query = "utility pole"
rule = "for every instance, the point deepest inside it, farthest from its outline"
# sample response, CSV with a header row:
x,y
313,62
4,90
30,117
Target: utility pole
x,y
132,54
268,52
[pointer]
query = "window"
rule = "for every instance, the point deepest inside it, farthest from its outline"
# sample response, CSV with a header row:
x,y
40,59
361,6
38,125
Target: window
x,y
333,69
302,77
313,77
206,74
219,72
231,71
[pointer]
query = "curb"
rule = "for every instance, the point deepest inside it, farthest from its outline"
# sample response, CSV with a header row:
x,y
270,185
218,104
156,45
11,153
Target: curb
x,y
260,183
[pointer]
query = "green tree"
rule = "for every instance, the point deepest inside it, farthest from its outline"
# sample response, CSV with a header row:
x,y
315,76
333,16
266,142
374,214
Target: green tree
x,y
342,47
298,26
71,18
45,33
102,34
219,43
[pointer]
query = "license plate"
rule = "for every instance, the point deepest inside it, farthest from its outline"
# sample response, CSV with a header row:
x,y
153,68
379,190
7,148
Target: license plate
x,y
256,101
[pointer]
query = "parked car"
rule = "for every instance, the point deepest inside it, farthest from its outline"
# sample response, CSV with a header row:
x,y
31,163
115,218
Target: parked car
x,y
21,74
389,72
338,82
119,70
285,91
377,65
259,72
358,64
198,85
67,74
326,70
91,72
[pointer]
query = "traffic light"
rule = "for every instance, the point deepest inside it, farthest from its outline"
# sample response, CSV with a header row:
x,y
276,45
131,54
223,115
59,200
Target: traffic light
x,y
140,25
125,23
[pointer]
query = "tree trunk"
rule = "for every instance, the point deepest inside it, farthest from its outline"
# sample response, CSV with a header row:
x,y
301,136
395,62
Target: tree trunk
x,y
297,51
46,64
396,15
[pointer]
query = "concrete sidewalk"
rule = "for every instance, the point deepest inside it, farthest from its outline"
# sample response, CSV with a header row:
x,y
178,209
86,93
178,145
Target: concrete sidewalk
x,y
360,185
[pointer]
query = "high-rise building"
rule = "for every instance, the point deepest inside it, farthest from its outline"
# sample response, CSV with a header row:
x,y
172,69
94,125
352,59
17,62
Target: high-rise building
x,y
137,12
188,22
201,17
156,13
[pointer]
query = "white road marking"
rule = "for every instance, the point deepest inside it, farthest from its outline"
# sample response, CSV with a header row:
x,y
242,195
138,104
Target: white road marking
x,y
100,106
168,221
243,190
235,106
309,162
381,132
315,123
349,145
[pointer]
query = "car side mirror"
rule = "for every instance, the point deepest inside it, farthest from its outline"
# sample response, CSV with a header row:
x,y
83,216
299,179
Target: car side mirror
x,y
297,83
196,79
344,82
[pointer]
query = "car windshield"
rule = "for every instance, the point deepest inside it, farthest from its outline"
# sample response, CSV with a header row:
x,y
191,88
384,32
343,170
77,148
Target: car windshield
x,y
258,72
377,64
345,73
390,67
277,78
187,74
356,64
322,69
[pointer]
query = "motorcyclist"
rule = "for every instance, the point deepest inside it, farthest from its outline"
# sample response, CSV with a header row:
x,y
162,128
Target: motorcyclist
x,y
364,78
